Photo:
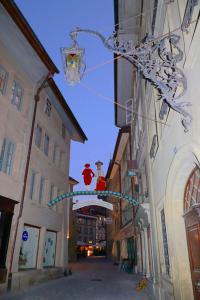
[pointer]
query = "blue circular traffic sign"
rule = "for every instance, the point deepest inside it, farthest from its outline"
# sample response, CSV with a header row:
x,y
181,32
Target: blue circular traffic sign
x,y
25,235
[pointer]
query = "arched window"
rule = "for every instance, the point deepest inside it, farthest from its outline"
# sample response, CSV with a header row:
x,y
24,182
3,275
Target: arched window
x,y
192,190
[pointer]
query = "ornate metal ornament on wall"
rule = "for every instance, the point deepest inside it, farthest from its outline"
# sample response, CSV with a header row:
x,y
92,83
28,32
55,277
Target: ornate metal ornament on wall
x,y
157,61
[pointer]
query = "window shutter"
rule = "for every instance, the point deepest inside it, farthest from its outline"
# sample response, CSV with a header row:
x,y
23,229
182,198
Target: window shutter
x,y
9,158
6,158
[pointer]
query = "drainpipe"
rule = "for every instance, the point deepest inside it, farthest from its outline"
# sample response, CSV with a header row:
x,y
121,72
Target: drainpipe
x,y
36,98
120,188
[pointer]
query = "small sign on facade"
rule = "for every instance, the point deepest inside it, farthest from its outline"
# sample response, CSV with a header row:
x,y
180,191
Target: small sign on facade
x,y
25,235
108,221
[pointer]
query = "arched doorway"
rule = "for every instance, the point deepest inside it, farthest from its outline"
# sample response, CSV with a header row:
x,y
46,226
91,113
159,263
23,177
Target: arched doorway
x,y
192,224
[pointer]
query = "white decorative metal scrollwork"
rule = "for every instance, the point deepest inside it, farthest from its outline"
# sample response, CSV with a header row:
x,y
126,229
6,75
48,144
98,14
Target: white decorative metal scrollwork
x,y
157,60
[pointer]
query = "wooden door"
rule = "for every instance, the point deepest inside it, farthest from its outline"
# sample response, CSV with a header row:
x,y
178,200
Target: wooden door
x,y
193,239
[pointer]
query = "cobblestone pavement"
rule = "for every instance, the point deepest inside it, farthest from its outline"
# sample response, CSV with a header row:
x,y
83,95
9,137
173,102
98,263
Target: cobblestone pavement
x,y
92,278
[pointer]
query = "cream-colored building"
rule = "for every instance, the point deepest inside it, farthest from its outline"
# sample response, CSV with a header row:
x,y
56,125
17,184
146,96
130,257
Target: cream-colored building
x,y
36,131
167,156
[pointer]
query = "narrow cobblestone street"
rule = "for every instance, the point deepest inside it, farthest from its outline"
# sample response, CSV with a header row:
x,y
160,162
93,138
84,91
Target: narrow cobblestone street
x,y
92,278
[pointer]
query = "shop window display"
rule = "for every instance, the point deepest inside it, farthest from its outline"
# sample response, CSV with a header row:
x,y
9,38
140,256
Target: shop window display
x,y
29,248
49,249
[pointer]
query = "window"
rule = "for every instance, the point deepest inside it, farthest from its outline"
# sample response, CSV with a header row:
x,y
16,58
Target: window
x,y
46,144
29,247
16,98
81,221
38,136
49,249
129,111
47,109
3,79
63,131
6,156
5,225
41,191
32,185
165,243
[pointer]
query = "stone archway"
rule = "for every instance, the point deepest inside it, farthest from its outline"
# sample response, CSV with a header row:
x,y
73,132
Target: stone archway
x,y
180,169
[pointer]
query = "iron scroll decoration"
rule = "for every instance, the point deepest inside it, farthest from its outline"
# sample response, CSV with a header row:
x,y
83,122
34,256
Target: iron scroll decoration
x,y
156,59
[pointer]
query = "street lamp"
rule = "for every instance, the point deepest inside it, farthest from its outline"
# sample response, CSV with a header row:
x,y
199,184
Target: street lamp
x,y
73,61
155,58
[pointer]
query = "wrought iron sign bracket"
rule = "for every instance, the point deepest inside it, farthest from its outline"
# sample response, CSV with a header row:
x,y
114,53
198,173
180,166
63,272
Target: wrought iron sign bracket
x,y
156,59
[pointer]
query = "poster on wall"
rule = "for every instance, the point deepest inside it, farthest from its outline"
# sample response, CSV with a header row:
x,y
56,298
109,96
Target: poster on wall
x,y
49,249
29,247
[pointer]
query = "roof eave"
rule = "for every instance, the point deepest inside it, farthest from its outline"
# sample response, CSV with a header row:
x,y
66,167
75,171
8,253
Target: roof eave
x,y
27,31
73,181
124,129
67,110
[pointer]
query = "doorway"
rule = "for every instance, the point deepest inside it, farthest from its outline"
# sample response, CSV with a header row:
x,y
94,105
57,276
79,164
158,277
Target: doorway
x,y
6,214
192,224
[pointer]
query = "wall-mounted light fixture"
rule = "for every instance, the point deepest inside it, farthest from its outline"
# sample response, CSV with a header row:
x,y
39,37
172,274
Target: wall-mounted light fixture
x,y
155,58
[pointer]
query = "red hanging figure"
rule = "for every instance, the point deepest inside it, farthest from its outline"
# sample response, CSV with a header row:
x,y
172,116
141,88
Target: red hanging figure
x,y
88,174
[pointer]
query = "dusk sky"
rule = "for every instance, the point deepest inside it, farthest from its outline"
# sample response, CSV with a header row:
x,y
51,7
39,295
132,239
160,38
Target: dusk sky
x,y
52,21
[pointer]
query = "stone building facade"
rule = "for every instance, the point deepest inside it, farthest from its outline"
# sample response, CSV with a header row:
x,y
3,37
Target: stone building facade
x,y
167,221
36,130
